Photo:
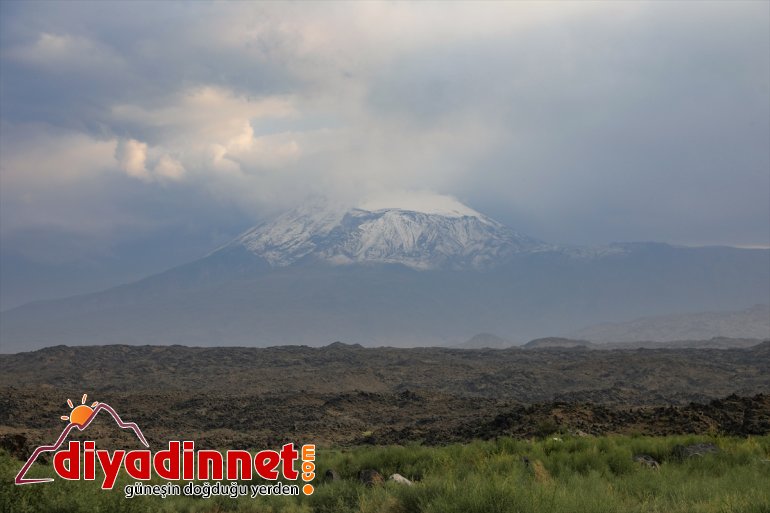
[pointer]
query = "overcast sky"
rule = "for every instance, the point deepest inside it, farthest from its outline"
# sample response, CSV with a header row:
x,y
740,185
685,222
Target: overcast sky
x,y
140,135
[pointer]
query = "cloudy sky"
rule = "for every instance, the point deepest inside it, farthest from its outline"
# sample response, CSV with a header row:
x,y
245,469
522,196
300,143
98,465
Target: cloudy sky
x,y
137,136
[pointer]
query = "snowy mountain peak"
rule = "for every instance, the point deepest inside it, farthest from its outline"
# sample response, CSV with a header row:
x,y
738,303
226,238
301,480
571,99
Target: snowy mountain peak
x,y
426,203
438,234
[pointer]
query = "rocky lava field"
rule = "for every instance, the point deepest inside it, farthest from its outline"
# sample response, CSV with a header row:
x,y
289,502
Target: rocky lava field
x,y
349,395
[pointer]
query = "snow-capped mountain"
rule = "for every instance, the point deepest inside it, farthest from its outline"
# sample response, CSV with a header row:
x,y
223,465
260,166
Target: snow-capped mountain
x,y
259,290
445,234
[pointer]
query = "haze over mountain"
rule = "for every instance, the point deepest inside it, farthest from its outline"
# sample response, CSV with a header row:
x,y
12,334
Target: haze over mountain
x,y
393,275
752,323
485,341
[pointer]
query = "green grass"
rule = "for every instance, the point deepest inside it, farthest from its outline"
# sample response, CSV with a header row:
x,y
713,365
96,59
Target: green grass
x,y
572,475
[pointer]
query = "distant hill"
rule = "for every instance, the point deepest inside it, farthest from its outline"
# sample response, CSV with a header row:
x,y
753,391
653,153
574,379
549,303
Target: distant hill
x,y
751,323
485,341
712,343
552,342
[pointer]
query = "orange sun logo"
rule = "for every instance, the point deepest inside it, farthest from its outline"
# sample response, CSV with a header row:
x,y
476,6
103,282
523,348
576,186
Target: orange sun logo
x,y
81,413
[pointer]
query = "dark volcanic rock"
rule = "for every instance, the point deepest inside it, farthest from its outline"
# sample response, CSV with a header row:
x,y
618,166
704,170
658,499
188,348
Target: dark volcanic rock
x,y
16,445
634,377
647,460
344,395
370,477
736,416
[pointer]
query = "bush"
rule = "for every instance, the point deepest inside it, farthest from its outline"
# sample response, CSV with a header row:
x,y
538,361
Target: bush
x,y
571,475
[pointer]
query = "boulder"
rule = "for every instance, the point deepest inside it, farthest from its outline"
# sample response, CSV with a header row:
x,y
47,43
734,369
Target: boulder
x,y
398,478
370,477
647,460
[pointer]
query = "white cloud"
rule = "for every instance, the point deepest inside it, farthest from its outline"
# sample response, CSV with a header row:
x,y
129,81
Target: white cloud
x,y
212,127
420,201
132,159
169,168
206,108
269,151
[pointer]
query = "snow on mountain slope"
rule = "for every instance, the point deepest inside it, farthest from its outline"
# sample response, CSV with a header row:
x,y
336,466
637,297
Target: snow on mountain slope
x,y
437,233
292,235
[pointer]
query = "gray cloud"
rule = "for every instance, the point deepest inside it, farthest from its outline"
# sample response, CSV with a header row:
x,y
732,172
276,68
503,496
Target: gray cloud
x,y
577,122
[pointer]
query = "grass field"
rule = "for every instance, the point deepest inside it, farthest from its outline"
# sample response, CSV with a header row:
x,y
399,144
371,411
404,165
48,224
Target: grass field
x,y
569,475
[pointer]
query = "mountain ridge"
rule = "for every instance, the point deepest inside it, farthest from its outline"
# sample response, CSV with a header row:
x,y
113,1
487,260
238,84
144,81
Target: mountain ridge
x,y
460,238
395,288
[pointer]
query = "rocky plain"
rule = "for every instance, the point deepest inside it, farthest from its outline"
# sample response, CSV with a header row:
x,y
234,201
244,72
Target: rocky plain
x,y
342,395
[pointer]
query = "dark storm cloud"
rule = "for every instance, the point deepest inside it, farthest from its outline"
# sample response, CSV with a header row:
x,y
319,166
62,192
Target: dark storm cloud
x,y
578,122
652,130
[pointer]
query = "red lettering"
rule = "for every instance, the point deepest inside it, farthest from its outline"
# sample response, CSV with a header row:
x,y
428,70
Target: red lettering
x,y
111,467
265,463
143,469
188,460
236,459
171,464
170,455
289,455
206,457
89,461
72,457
